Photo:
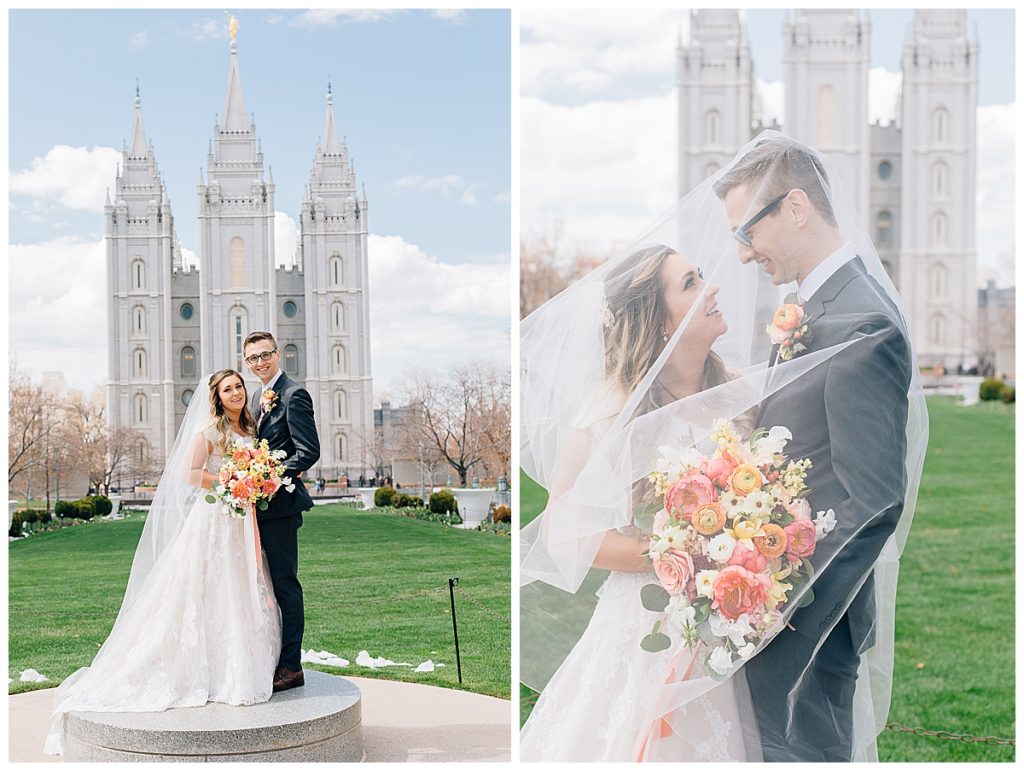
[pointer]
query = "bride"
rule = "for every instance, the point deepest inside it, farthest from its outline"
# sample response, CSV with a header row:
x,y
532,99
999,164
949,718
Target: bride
x,y
198,622
628,372
647,297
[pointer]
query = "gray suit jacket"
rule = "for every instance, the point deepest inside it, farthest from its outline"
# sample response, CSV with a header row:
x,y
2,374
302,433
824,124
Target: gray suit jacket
x,y
289,426
849,416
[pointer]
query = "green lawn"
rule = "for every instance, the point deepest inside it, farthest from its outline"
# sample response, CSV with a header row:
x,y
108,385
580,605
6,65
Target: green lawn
x,y
377,582
956,594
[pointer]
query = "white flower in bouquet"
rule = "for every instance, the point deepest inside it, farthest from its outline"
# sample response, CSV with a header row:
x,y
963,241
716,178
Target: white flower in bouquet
x,y
824,522
736,631
674,461
746,651
720,661
771,444
720,547
705,582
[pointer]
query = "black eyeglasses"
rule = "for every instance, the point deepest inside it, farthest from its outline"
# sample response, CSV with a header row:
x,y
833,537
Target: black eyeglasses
x,y
265,356
740,233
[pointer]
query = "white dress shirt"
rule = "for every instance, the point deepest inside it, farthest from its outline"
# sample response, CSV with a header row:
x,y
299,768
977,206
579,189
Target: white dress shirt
x,y
823,272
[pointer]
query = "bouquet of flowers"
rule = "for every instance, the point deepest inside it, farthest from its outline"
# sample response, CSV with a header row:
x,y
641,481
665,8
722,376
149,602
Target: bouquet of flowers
x,y
730,544
249,476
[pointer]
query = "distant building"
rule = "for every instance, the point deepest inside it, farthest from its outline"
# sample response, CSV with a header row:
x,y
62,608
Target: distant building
x,y
169,323
912,182
997,317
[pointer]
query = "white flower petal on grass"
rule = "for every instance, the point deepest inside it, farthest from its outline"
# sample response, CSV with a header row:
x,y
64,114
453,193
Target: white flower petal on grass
x,y
426,666
323,657
31,676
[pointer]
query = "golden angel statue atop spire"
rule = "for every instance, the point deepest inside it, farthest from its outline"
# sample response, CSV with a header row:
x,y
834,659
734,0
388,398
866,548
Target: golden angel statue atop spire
x,y
233,27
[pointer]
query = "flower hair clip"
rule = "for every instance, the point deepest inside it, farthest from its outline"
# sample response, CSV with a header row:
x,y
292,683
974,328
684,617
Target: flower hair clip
x,y
788,331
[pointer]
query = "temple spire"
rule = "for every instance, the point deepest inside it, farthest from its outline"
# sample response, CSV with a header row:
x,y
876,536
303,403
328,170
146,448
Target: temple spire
x,y
138,148
234,102
332,145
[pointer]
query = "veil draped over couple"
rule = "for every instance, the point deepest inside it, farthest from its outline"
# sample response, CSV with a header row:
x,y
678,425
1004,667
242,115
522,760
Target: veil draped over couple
x,y
730,425
213,608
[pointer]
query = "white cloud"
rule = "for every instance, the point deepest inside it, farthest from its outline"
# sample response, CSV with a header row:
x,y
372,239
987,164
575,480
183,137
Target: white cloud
x,y
453,15
428,313
139,40
883,94
58,309
286,238
208,29
587,52
72,176
996,240
448,185
331,17
606,168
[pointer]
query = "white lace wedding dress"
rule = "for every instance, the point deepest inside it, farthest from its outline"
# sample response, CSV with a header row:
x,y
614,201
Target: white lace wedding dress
x,y
600,702
205,627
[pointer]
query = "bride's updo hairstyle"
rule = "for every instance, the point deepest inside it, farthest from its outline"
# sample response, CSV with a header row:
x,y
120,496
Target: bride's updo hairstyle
x,y
635,320
245,420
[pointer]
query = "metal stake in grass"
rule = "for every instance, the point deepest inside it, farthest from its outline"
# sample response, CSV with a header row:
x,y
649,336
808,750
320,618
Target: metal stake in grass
x,y
452,583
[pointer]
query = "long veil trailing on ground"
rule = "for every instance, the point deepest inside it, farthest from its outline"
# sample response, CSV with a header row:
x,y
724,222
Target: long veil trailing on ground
x,y
613,389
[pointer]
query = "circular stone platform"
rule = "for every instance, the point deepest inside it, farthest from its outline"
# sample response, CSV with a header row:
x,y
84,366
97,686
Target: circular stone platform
x,y
321,721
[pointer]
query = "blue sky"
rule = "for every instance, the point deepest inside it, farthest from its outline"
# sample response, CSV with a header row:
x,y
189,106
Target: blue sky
x,y
424,101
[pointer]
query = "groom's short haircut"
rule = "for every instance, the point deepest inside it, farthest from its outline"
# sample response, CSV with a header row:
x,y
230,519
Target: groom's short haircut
x,y
255,337
776,166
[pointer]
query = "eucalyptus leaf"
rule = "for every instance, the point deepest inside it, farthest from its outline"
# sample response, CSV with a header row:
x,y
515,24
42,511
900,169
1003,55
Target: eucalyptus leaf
x,y
262,505
806,598
656,642
654,598
210,499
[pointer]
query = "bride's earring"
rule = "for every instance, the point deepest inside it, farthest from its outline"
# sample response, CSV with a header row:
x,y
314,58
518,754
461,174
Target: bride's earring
x,y
664,337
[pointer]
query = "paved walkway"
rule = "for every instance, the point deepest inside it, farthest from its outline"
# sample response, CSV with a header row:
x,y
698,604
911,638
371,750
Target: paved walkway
x,y
402,722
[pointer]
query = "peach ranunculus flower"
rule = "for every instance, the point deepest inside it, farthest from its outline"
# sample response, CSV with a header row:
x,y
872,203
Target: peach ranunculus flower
x,y
773,543
788,316
269,488
720,469
745,479
240,489
748,558
708,519
739,591
685,496
800,535
674,569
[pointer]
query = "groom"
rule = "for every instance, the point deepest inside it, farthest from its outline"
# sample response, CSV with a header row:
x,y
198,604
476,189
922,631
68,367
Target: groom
x,y
284,417
847,415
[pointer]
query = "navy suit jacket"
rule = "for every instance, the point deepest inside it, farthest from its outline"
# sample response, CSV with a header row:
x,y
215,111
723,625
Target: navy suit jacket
x,y
289,426
849,416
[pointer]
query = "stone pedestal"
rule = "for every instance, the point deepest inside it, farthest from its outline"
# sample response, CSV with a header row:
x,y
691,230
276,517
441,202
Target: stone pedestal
x,y
321,721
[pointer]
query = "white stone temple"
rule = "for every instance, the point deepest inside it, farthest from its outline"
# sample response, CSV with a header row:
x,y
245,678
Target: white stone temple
x,y
912,182
169,323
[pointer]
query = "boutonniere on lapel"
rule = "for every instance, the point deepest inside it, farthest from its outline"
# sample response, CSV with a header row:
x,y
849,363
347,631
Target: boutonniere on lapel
x,y
268,401
789,331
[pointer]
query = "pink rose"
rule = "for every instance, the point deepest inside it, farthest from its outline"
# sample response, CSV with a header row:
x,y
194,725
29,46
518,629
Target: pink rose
x,y
719,470
751,559
269,488
674,569
738,591
799,508
800,536
685,496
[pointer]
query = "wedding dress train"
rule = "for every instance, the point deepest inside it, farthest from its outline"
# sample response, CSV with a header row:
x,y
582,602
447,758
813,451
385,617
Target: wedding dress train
x,y
204,627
